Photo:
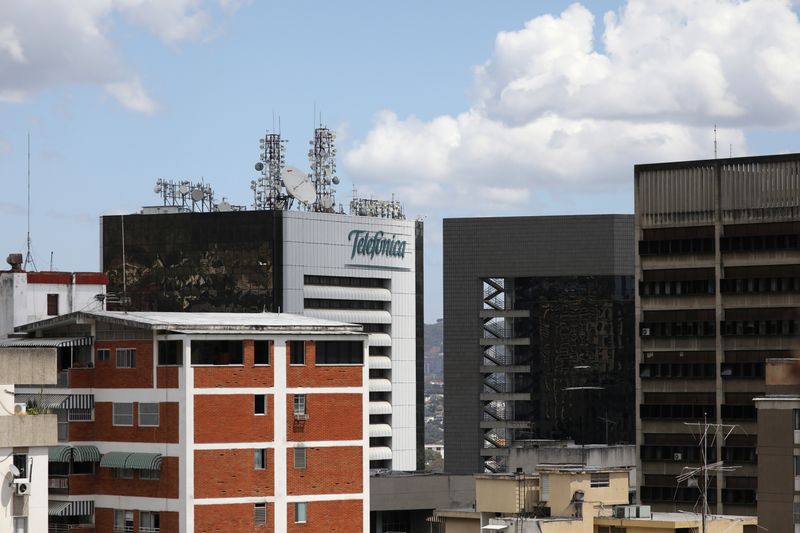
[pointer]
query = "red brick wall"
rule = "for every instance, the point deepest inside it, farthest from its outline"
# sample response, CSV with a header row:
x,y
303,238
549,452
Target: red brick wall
x,y
236,410
234,518
106,375
103,482
231,473
330,417
247,375
320,376
343,515
167,377
104,521
103,429
328,471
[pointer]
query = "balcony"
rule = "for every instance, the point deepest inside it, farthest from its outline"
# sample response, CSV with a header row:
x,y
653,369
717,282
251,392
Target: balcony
x,y
28,430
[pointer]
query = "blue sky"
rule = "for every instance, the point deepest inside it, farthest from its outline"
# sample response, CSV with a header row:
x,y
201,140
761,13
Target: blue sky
x,y
117,93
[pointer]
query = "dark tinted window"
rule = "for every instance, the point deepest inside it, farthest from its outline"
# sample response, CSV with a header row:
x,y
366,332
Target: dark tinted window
x,y
261,352
217,352
297,352
170,352
340,352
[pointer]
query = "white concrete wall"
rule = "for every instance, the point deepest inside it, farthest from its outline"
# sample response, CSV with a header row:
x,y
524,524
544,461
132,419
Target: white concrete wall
x,y
317,244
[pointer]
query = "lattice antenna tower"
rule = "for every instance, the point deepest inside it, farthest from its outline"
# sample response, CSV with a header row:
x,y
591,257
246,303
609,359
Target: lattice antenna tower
x,y
322,160
268,190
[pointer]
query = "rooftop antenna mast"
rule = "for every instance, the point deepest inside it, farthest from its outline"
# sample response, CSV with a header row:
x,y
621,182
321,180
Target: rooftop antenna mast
x,y
690,474
268,189
29,255
322,159
715,141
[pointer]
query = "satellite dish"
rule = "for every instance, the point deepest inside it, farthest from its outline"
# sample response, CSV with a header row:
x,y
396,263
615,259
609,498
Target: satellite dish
x,y
158,188
259,166
197,195
298,185
184,189
336,180
14,471
223,206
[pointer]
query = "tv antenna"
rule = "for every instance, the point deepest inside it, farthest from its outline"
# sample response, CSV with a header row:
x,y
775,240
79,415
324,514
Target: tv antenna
x,y
697,476
29,255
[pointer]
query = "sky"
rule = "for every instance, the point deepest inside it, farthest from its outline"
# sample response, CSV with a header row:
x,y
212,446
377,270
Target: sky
x,y
457,108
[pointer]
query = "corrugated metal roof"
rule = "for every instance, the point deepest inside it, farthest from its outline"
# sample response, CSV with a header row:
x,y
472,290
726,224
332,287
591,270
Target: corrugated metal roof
x,y
59,454
56,342
352,316
85,454
331,292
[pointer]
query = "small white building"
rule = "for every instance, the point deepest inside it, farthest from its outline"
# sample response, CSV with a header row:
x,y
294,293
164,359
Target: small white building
x,y
31,296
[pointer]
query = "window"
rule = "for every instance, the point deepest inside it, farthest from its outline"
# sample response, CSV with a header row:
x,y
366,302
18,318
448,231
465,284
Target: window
x,y
260,404
299,457
126,357
260,461
150,475
300,405
103,354
796,413
599,480
149,522
52,304
261,351
260,513
80,415
300,509
81,467
217,352
21,524
797,465
339,352
170,352
21,462
122,414
796,513
123,520
149,414
297,352
122,473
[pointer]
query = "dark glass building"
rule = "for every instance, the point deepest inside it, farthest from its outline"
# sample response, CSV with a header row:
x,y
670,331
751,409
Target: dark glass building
x,y
539,334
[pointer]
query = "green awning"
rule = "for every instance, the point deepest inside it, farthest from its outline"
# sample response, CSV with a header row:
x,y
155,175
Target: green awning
x,y
59,454
144,461
135,461
114,459
85,454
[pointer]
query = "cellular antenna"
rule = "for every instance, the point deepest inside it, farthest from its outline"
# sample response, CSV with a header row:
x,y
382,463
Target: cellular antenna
x,y
715,141
29,255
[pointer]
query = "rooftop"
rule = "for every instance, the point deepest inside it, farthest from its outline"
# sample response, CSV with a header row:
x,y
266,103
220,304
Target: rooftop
x,y
200,322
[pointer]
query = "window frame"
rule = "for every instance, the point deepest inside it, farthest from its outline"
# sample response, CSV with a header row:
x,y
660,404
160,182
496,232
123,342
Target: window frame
x,y
297,507
114,414
123,525
157,414
300,405
300,458
155,521
260,459
293,354
130,353
122,473
600,480
256,352
103,354
52,304
260,521
256,397
150,475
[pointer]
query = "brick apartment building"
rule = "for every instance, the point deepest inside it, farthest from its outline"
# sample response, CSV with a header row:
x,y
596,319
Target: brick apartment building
x,y
205,422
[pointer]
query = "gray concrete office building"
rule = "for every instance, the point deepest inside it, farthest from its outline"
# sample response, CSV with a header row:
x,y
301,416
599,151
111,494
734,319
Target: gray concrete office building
x,y
538,334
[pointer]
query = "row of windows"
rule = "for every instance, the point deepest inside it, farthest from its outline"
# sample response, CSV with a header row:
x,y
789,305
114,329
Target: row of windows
x,y
129,473
749,328
149,521
342,281
674,494
673,411
149,414
759,285
677,329
677,370
260,458
313,303
676,288
674,453
760,242
677,246
260,513
299,402
223,352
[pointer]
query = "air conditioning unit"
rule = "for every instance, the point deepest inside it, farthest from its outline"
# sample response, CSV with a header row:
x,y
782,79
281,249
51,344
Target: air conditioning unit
x,y
301,416
645,332
677,456
20,408
22,488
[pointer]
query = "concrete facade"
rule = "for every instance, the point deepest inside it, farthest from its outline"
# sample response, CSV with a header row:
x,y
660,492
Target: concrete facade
x,y
544,256
718,293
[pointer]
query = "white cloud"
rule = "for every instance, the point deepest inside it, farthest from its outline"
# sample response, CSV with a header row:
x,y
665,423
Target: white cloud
x,y
552,111
54,43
